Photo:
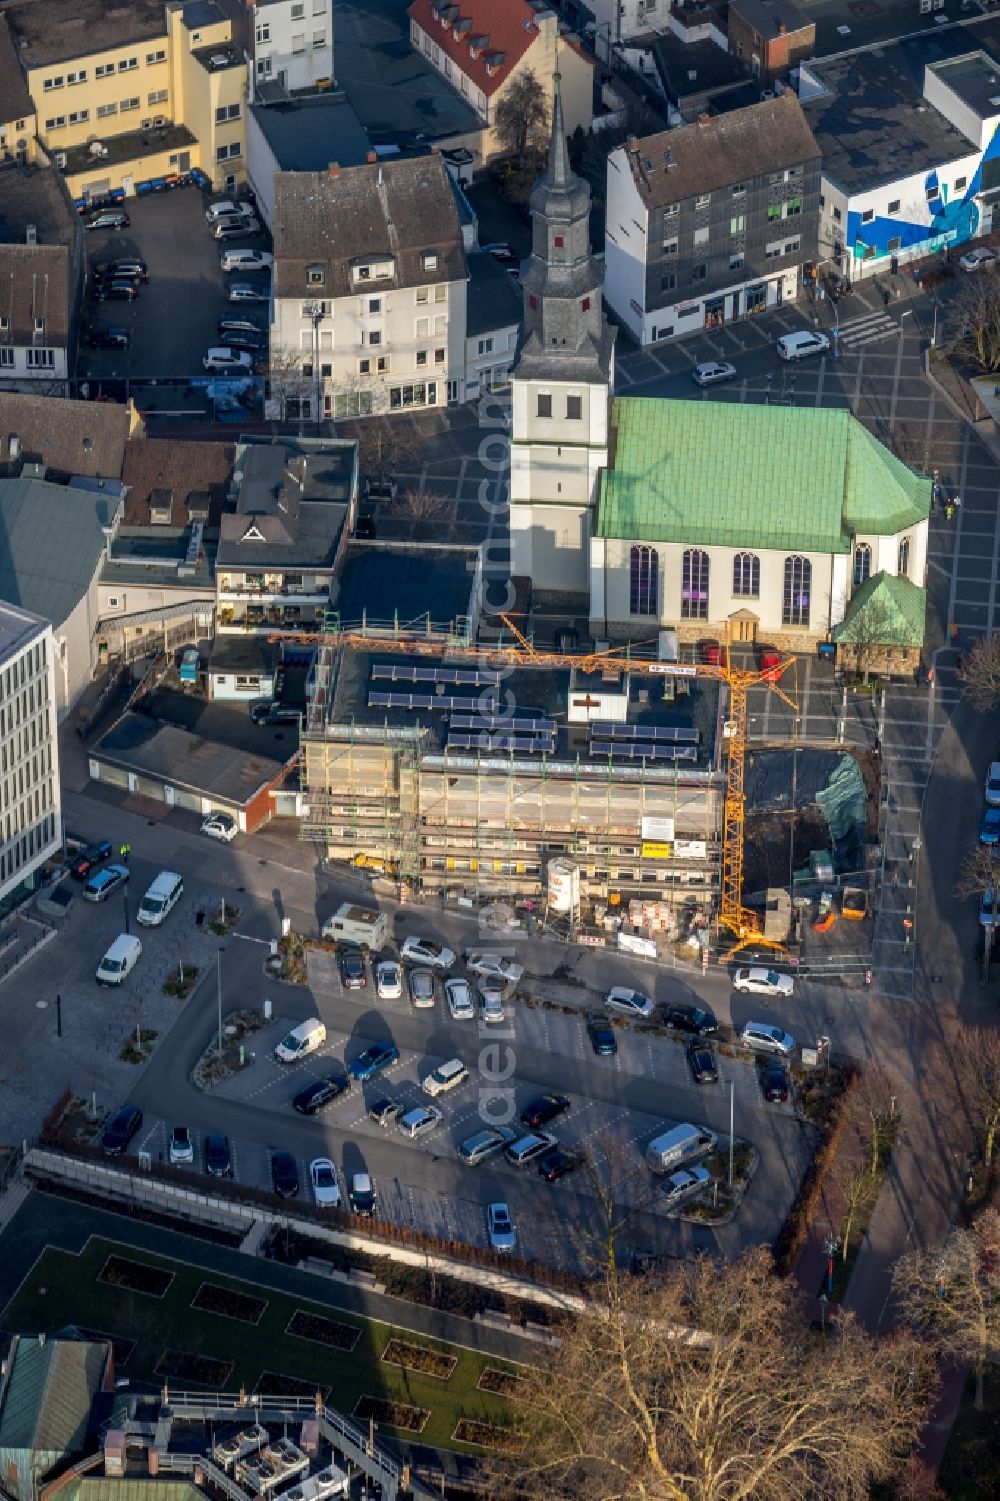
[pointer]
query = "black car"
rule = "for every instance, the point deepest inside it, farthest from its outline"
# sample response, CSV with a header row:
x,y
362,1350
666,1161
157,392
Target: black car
x,y
120,1130
701,1061
353,974
126,266
546,1108
320,1093
250,343
93,856
284,1174
114,219
117,291
109,338
557,1163
384,1111
696,1019
268,711
602,1037
774,1080
218,1158
228,326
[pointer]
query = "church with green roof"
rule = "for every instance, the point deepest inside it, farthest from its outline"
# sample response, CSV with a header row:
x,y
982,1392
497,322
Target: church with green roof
x,y
774,523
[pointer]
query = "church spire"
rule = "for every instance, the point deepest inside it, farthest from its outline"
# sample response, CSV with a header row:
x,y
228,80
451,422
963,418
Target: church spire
x,y
559,168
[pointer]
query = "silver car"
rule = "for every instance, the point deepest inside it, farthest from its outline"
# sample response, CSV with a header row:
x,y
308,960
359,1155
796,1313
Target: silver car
x,y
421,988
458,994
712,372
419,1121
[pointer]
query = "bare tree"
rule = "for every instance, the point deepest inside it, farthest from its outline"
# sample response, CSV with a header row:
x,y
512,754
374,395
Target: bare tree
x,y
979,670
621,1187
521,119
952,1295
976,315
859,1186
425,509
288,385
976,1057
702,1385
978,875
875,631
877,1100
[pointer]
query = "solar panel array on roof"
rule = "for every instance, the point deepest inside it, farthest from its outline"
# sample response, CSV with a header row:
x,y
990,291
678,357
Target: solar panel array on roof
x,y
405,672
681,734
377,699
538,744
632,750
500,722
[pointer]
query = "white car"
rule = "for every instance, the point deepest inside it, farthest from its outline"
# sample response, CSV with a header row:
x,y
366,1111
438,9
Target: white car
x,y
712,372
491,966
419,1121
246,260
763,982
325,1186
422,988
500,1228
446,1076
220,826
629,1002
425,951
228,362
224,207
388,980
458,994
242,291
687,1184
974,260
181,1146
993,785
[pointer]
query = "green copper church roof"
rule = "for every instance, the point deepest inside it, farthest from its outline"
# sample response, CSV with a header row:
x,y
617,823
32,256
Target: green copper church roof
x,y
788,479
885,611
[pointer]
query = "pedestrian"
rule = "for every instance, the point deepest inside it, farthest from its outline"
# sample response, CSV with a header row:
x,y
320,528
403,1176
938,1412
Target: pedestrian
x,y
953,630
949,511
894,265
885,296
956,501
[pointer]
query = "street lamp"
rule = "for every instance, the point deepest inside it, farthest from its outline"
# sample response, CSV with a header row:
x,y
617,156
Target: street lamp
x,y
732,1144
218,974
125,899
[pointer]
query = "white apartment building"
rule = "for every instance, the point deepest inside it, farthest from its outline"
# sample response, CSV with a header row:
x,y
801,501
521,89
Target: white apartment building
x,y
30,814
293,43
369,308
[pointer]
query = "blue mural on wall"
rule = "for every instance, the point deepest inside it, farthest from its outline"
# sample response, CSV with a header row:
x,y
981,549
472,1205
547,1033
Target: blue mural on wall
x,y
947,223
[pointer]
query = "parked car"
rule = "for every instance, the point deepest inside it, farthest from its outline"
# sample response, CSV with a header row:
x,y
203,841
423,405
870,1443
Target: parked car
x,y
181,1148
761,981
120,1130
975,260
986,914
547,1107
556,1165
228,362
989,828
109,220
993,785
629,1002
249,344
446,1076
109,338
325,1186
218,1158
458,994
687,1184
233,227
602,1037
246,260
92,856
284,1174
388,980
774,1080
530,1147
490,966
242,291
353,971
103,883
712,372
117,291
384,1111
227,326
701,1062
425,951
697,1019
223,207
491,1005
381,1055
421,988
361,1194
419,1120
484,1144
320,1093
220,826
500,1227
125,265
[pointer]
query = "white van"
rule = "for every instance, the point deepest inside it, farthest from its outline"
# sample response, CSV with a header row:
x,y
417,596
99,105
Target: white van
x,y
358,925
120,960
301,1040
798,346
765,1038
682,1144
161,899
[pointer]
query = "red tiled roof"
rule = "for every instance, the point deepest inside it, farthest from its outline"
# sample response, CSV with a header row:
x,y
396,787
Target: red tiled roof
x,y
501,21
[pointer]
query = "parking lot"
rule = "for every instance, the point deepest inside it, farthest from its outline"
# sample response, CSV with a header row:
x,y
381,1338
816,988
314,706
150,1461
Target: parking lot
x,y
173,320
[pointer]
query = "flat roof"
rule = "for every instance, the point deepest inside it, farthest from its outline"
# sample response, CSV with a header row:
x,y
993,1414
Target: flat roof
x,y
17,628
399,99
973,78
408,583
537,694
168,753
218,57
131,146
712,68
241,654
306,135
35,195
54,31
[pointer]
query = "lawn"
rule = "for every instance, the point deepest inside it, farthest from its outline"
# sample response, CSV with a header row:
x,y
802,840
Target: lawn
x,y
63,1288
970,1470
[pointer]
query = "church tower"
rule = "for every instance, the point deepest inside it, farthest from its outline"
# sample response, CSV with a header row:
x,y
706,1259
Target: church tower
x,y
561,385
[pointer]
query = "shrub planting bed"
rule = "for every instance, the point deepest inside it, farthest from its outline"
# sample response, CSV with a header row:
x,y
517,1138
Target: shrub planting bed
x,y
228,1304
272,1384
419,1358
193,1370
323,1331
488,1436
394,1415
504,1384
135,1276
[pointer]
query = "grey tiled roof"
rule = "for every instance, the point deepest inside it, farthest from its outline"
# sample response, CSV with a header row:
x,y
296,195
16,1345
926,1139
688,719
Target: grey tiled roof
x,y
728,148
15,101
48,580
494,297
396,208
277,524
68,437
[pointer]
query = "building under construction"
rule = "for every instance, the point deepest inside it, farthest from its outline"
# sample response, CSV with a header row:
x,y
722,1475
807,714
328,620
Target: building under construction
x,y
467,778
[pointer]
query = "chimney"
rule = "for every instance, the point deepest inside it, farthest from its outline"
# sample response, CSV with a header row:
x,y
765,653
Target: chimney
x,y
703,119
31,234
782,28
334,169
632,142
371,158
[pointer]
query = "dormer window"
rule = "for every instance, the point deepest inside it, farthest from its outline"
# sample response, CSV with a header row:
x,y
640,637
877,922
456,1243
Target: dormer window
x,y
315,275
429,260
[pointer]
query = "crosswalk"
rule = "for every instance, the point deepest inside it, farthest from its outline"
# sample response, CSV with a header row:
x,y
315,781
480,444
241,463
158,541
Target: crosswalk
x,y
868,328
